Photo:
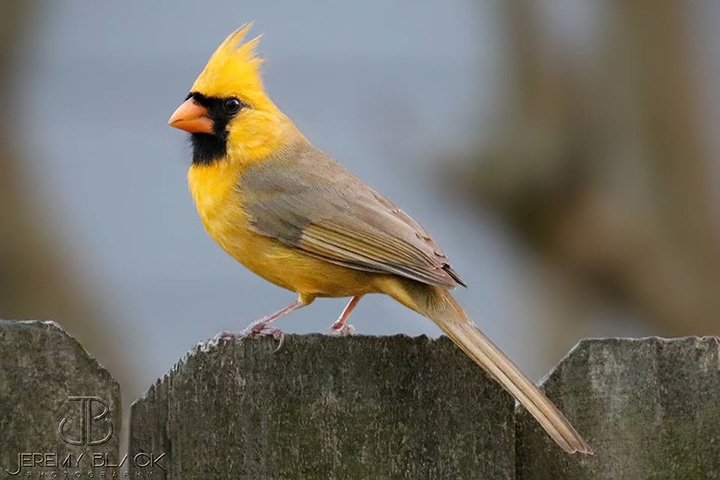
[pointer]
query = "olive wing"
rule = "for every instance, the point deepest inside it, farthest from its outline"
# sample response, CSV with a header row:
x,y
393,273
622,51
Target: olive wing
x,y
311,203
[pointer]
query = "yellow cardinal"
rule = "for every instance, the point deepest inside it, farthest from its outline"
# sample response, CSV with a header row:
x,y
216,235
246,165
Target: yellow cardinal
x,y
299,219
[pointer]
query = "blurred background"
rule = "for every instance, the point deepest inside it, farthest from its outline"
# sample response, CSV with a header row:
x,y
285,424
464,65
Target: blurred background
x,y
565,155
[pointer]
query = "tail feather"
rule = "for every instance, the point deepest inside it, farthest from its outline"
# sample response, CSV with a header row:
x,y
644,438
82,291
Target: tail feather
x,y
439,305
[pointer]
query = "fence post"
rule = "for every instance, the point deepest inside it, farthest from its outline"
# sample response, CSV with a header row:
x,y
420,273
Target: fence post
x,y
650,407
52,398
327,408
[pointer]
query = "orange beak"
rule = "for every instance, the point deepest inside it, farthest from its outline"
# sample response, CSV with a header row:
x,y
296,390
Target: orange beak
x,y
192,117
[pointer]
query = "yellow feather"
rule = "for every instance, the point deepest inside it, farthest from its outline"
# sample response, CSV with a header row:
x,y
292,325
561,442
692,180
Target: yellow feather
x,y
234,70
254,135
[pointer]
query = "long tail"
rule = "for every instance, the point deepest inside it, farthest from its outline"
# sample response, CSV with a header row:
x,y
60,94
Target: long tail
x,y
439,305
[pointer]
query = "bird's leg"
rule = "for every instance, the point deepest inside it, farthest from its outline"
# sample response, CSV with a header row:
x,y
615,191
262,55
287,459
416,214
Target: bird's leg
x,y
339,328
261,327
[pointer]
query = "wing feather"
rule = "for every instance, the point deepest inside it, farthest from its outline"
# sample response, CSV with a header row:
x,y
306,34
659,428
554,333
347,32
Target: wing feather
x,y
309,202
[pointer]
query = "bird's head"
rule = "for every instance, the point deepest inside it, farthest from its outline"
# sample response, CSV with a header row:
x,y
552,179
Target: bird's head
x,y
227,111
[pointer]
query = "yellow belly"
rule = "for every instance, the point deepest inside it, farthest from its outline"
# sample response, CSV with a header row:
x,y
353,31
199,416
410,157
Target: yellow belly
x,y
221,209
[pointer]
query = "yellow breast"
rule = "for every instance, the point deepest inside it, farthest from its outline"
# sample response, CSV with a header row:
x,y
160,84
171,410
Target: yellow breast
x,y
220,204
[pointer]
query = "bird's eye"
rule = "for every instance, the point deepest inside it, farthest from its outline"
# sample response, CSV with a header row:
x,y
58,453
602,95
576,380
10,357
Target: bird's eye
x,y
232,105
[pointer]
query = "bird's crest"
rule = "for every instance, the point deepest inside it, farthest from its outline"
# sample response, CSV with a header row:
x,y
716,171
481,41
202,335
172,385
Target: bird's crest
x,y
234,69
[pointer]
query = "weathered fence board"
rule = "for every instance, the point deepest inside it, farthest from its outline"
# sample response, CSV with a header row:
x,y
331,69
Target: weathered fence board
x,y
327,408
356,408
46,376
650,408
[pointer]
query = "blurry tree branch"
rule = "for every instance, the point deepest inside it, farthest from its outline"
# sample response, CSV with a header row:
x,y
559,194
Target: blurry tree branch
x,y
601,164
35,282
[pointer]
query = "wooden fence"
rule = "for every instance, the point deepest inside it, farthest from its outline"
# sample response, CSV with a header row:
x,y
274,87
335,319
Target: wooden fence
x,y
356,408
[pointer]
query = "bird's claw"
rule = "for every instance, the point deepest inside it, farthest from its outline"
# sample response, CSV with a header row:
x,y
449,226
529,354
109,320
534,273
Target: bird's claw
x,y
254,330
263,330
341,331
226,336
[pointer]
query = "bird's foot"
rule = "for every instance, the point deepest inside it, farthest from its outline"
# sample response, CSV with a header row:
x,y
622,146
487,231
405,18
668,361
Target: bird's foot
x,y
262,329
227,336
257,329
345,330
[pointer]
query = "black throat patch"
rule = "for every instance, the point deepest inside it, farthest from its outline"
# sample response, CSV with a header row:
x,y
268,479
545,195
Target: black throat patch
x,y
208,148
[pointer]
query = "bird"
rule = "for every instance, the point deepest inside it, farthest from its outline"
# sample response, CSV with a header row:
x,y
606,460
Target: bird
x,y
299,219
